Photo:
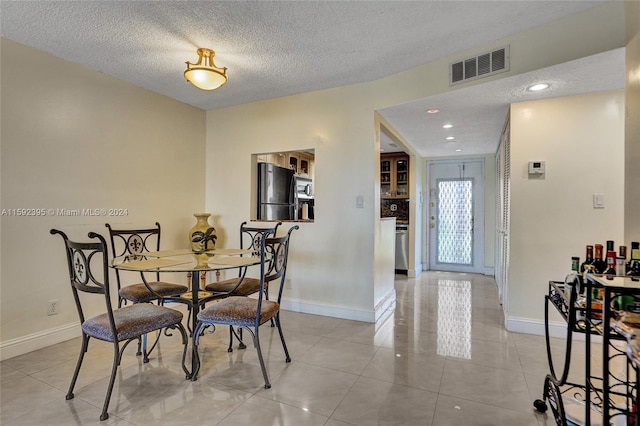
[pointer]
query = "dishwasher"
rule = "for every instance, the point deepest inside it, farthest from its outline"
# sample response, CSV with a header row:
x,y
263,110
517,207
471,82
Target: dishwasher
x,y
402,247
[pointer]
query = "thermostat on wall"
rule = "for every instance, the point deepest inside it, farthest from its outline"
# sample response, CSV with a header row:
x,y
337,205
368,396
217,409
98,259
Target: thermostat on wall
x,y
536,167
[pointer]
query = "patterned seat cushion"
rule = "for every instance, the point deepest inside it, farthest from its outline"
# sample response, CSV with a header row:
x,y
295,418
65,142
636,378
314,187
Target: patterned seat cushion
x,y
238,310
132,321
139,293
248,286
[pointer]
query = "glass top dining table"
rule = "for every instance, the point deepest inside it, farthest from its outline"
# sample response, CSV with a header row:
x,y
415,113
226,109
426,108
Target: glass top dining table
x,y
185,260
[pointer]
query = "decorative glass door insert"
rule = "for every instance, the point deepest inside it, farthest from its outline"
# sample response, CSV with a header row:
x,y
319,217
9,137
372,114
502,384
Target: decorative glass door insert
x,y
455,221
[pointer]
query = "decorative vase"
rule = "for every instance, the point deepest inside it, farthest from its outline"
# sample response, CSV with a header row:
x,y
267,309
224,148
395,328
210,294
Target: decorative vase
x,y
202,236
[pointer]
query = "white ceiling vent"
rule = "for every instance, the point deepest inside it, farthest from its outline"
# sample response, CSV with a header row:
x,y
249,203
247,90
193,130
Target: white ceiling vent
x,y
483,65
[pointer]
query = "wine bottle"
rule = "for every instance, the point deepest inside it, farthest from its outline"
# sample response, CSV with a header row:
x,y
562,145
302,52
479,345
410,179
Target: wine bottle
x,y
634,246
610,246
634,269
622,252
598,262
588,259
575,264
621,261
620,266
611,263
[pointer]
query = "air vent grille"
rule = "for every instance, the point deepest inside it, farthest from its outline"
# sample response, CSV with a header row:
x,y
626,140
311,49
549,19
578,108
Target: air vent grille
x,y
470,68
483,65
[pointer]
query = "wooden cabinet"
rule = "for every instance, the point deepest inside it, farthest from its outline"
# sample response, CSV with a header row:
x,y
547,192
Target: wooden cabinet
x,y
278,158
394,175
306,164
301,162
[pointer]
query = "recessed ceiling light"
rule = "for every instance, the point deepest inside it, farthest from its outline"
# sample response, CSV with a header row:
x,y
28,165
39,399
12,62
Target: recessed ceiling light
x,y
447,126
450,138
433,111
538,87
458,150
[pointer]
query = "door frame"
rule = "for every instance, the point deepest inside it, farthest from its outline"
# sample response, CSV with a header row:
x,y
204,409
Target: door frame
x,y
479,216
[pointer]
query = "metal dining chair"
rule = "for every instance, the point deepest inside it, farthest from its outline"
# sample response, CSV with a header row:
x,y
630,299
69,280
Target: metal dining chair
x,y
250,313
250,239
134,243
89,273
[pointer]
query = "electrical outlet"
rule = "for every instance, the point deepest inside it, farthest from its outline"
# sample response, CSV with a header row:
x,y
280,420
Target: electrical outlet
x,y
52,307
288,283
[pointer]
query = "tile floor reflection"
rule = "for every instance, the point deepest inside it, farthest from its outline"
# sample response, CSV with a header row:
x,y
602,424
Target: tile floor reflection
x,y
442,357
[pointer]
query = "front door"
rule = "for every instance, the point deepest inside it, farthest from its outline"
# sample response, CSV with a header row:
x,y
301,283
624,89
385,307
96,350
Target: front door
x,y
456,215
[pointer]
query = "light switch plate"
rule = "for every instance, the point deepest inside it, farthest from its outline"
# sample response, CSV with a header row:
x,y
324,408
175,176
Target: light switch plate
x,y
598,201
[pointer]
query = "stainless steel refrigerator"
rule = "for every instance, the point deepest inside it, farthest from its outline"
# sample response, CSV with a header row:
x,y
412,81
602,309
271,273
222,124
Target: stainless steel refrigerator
x,y
276,192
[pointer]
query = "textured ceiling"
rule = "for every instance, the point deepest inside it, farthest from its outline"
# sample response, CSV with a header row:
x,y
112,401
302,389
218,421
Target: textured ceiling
x,y
271,49
478,113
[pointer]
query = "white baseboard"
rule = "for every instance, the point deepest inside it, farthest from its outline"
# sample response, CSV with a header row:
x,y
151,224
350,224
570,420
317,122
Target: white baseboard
x,y
487,270
413,273
22,345
384,308
31,342
25,344
556,329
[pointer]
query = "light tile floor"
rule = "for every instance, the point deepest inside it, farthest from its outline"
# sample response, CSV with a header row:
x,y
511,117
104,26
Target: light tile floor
x,y
442,357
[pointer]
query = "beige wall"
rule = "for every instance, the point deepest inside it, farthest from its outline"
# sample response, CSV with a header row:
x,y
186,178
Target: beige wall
x,y
581,138
75,138
333,265
632,123
331,268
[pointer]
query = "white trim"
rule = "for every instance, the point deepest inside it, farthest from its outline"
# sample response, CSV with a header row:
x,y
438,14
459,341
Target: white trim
x,y
25,344
556,329
31,342
381,311
413,273
385,307
479,214
489,270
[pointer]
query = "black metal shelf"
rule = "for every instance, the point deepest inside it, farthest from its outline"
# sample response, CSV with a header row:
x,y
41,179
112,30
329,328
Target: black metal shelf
x,y
610,398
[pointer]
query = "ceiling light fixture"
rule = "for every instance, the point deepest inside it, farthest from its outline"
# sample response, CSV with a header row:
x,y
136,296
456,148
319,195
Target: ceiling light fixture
x,y
447,126
433,111
458,150
538,87
204,74
450,138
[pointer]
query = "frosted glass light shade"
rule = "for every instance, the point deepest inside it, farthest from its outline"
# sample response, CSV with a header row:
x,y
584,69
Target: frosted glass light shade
x,y
204,74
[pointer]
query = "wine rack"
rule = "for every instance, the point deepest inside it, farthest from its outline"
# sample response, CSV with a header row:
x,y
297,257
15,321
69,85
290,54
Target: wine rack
x,y
606,399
